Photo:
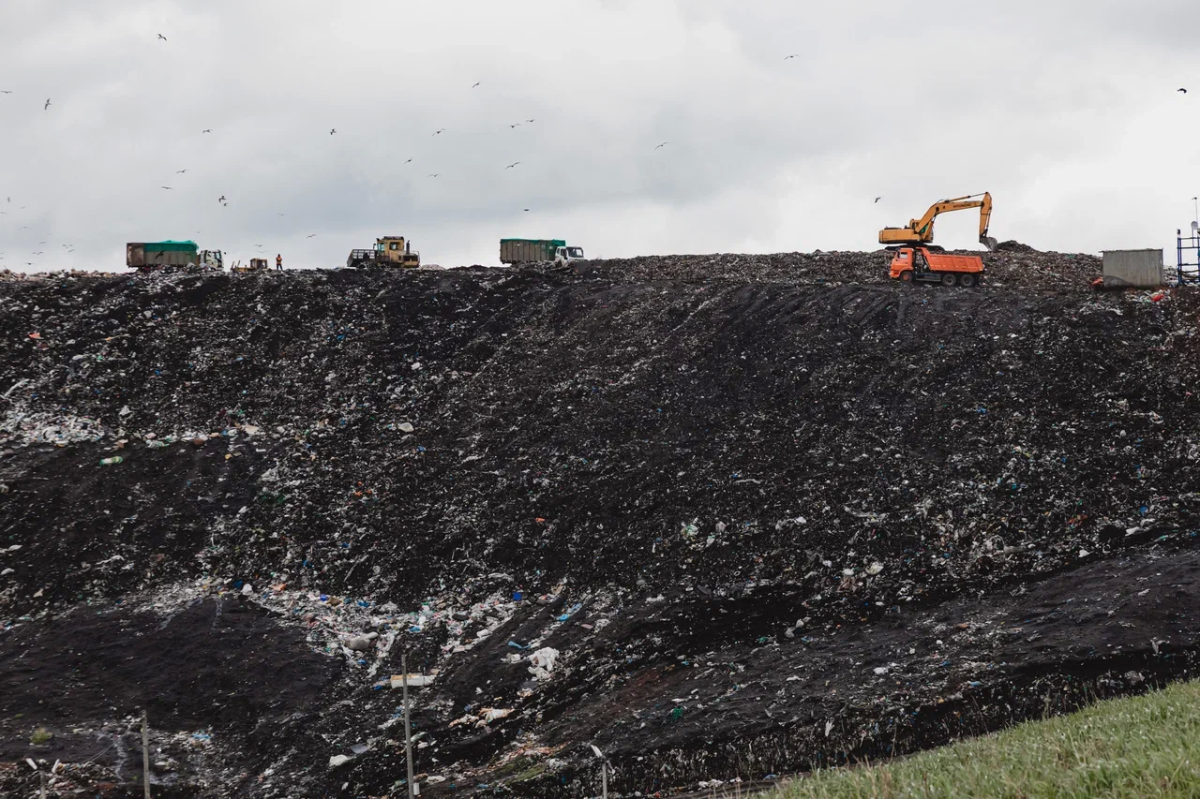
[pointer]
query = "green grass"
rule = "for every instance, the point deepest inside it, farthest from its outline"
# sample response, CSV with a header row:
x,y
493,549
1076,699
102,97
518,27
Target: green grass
x,y
1147,746
40,736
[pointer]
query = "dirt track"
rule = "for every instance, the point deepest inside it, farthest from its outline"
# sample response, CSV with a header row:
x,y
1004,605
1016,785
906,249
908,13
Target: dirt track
x,y
977,503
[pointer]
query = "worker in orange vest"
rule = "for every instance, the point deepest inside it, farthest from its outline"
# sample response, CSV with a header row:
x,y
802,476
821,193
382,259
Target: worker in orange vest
x,y
279,262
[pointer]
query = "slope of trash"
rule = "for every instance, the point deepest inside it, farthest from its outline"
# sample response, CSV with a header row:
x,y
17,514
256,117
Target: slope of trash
x,y
722,517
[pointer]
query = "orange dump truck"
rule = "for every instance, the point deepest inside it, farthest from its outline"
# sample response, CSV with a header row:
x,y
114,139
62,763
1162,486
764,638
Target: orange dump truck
x,y
917,264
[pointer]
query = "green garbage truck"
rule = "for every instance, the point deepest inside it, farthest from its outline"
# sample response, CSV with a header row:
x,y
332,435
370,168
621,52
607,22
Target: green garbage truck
x,y
534,251
153,254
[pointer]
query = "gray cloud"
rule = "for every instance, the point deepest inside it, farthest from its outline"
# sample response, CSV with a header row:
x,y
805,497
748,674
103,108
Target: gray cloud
x,y
1067,112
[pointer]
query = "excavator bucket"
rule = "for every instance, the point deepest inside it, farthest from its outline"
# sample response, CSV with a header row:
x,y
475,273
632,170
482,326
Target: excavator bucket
x,y
989,242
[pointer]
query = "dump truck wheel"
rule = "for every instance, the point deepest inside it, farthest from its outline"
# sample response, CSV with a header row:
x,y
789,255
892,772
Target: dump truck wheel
x,y
906,276
966,281
949,279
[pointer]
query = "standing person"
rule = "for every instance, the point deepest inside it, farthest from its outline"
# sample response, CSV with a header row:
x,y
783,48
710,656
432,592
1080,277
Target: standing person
x,y
279,262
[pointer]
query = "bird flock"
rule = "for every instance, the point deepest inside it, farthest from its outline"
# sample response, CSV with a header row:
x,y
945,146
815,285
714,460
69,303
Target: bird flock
x,y
224,202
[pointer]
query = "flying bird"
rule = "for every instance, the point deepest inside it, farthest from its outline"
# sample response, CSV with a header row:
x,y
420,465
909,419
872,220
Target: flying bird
x,y
209,130
313,236
164,38
514,126
409,161
510,166
794,55
2,91
168,188
531,120
181,172
439,130
47,106
1183,90
527,210
664,144
877,199
221,199
434,174
477,84
332,131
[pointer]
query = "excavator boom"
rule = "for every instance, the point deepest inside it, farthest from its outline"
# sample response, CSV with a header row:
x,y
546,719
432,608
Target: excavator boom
x,y
920,231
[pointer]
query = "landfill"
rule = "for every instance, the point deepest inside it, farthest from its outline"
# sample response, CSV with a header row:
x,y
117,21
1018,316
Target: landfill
x,y
720,517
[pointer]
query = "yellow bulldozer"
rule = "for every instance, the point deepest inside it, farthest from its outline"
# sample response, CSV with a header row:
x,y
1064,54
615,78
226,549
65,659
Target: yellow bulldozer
x,y
389,252
255,265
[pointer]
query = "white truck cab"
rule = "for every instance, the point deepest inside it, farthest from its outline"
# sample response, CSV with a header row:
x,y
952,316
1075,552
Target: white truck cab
x,y
212,259
563,255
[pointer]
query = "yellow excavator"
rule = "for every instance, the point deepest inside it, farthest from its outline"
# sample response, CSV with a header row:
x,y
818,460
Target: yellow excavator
x,y
920,231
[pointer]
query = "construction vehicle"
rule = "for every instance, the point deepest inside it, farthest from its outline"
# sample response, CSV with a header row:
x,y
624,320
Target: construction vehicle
x,y
155,254
534,251
255,265
389,252
920,231
920,265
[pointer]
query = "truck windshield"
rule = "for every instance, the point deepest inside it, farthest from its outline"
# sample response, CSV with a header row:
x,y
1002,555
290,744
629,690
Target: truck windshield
x,y
575,252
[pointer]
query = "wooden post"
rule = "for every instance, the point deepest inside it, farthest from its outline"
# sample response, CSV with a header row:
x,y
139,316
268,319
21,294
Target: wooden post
x,y
146,753
412,789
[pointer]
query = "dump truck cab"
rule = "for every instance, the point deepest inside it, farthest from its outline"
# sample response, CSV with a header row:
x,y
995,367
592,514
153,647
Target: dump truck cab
x,y
212,259
920,265
564,255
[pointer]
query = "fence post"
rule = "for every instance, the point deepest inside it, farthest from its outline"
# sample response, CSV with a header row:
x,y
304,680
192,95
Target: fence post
x,y
412,789
146,753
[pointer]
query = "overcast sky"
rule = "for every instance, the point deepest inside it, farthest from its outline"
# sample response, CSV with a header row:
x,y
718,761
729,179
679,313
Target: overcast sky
x,y
1066,110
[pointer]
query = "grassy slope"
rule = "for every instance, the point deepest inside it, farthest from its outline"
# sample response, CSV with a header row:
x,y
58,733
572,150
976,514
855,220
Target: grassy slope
x,y
1138,747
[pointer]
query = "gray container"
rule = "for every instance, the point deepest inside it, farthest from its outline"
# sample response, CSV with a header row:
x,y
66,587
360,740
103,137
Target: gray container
x,y
1142,269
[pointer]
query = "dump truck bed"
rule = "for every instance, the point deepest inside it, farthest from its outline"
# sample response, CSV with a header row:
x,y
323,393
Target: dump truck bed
x,y
161,253
528,251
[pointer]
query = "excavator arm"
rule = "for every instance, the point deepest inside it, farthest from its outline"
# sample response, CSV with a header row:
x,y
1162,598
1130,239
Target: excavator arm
x,y
920,231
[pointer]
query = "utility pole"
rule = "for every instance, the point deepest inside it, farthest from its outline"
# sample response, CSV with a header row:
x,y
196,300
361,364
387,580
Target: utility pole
x,y
146,753
412,789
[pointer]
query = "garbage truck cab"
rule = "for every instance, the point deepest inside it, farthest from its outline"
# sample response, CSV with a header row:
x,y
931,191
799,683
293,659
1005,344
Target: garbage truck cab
x,y
564,255
212,259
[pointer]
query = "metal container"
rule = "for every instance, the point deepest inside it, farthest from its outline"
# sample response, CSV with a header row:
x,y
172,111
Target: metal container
x,y
1141,269
528,251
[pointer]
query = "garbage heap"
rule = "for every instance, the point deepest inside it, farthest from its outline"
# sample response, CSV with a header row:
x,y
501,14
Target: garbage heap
x,y
723,517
